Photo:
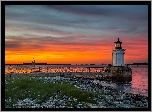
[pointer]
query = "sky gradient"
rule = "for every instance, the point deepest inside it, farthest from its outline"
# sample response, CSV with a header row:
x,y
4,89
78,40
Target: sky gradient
x,y
75,34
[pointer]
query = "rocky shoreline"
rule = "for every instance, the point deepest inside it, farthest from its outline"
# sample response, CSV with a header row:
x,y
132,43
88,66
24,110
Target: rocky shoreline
x,y
111,98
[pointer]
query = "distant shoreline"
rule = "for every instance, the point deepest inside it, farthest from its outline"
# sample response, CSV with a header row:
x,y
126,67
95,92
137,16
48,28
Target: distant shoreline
x,y
37,64
74,64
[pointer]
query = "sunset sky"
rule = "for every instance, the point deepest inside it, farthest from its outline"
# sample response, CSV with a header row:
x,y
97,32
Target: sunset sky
x,y
75,34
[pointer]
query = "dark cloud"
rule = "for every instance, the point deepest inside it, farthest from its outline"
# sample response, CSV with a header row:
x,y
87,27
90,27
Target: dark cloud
x,y
134,11
48,41
7,45
101,20
81,10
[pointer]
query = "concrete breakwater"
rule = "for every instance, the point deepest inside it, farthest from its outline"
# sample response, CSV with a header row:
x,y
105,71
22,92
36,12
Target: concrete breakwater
x,y
115,73
88,75
112,73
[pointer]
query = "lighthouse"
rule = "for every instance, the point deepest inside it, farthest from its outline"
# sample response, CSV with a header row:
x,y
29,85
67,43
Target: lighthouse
x,y
118,54
118,71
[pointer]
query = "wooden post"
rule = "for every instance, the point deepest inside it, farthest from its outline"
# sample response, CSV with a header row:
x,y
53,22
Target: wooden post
x,y
47,69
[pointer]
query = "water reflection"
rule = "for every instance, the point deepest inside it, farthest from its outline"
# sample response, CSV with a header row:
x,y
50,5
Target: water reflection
x,y
138,85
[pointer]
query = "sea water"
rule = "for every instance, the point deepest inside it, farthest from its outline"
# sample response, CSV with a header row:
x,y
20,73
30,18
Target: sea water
x,y
138,85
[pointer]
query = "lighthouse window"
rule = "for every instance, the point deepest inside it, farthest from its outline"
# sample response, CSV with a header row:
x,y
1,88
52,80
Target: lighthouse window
x,y
115,45
118,45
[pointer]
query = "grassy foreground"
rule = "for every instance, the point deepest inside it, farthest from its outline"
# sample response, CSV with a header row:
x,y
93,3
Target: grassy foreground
x,y
26,87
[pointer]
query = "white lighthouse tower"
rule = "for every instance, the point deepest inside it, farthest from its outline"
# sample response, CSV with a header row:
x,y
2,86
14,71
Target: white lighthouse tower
x,y
118,54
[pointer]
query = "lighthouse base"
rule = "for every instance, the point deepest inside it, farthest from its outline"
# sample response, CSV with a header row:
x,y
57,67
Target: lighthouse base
x,y
120,73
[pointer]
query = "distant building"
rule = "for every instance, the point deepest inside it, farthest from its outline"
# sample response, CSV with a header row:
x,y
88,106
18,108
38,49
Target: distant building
x,y
33,63
92,64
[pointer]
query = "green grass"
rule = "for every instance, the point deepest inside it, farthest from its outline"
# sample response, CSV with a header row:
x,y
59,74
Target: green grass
x,y
26,87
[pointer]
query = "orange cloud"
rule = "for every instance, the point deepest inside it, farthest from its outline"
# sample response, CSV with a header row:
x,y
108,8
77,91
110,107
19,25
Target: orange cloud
x,y
19,50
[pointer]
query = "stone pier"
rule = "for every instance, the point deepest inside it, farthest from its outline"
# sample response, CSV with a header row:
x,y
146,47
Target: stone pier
x,y
111,73
120,73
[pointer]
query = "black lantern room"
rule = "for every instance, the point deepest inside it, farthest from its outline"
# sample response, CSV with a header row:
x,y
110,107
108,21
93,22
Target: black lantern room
x,y
118,44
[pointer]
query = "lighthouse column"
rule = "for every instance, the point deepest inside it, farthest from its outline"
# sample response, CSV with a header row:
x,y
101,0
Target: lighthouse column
x,y
120,62
122,59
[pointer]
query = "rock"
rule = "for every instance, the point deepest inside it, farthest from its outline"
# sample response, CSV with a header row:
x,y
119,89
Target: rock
x,y
102,106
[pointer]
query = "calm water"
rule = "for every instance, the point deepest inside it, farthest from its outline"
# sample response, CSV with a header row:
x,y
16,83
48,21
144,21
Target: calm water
x,y
139,81
139,84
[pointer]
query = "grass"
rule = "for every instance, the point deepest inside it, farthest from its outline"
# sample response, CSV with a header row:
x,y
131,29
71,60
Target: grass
x,y
26,87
